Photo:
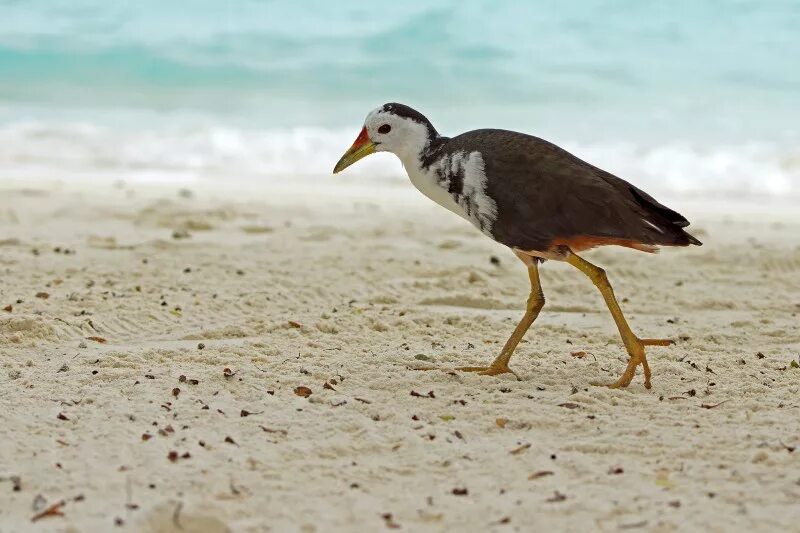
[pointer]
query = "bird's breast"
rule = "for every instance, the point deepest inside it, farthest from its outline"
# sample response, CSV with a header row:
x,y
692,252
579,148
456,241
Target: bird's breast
x,y
426,182
457,182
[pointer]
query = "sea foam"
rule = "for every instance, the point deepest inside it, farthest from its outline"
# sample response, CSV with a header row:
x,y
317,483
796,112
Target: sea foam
x,y
186,153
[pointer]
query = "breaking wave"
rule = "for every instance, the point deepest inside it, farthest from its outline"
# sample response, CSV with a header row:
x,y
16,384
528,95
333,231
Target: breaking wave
x,y
192,152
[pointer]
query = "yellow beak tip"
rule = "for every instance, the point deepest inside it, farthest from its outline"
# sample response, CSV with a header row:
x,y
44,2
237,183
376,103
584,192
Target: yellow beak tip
x,y
355,153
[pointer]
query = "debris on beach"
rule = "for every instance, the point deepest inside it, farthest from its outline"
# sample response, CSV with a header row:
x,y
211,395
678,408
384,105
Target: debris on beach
x,y
303,391
53,510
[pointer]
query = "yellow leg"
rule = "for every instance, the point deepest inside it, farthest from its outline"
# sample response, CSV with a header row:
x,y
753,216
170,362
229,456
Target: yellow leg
x,y
633,344
535,304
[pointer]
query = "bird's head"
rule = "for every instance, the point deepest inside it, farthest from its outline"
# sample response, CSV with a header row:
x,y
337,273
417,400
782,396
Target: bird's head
x,y
394,128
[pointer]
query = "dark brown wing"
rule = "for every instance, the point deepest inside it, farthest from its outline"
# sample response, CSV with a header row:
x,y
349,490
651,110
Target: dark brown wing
x,y
547,196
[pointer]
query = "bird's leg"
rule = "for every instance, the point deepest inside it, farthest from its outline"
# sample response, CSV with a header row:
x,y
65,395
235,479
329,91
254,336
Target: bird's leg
x,y
633,344
535,304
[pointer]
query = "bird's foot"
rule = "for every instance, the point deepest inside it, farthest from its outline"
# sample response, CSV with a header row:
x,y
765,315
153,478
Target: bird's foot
x,y
657,342
627,376
493,370
636,351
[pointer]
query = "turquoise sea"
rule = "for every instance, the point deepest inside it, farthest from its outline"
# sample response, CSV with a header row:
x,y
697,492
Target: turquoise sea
x,y
685,96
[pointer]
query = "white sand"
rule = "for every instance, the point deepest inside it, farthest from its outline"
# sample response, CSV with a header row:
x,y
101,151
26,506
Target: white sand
x,y
373,290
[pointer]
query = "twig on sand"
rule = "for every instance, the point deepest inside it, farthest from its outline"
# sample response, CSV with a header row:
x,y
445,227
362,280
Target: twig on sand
x,y
53,510
712,405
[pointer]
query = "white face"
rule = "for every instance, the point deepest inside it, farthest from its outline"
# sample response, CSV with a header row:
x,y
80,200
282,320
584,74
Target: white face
x,y
392,133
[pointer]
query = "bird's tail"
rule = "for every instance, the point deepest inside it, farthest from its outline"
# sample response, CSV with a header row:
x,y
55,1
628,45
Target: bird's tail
x,y
668,223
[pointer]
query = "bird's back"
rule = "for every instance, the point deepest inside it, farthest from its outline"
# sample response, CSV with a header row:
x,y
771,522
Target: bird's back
x,y
547,197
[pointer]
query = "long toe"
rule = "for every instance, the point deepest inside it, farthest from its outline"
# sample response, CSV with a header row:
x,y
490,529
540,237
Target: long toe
x,y
657,342
472,368
496,371
489,370
621,383
627,376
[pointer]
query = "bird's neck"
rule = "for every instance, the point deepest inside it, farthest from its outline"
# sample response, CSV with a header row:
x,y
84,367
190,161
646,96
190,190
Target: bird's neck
x,y
420,158
428,169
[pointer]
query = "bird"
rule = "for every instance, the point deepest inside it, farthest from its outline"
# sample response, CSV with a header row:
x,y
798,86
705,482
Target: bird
x,y
534,197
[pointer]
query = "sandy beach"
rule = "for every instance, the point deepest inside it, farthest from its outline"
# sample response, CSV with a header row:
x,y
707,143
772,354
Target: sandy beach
x,y
214,361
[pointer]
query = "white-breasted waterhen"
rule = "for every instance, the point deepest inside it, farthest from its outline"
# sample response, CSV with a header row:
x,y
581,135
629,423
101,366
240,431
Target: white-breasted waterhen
x,y
532,196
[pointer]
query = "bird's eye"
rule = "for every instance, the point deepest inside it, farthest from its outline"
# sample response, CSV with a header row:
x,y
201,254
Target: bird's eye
x,y
385,129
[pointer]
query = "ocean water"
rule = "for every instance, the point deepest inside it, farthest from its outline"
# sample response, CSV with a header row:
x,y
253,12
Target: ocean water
x,y
682,96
